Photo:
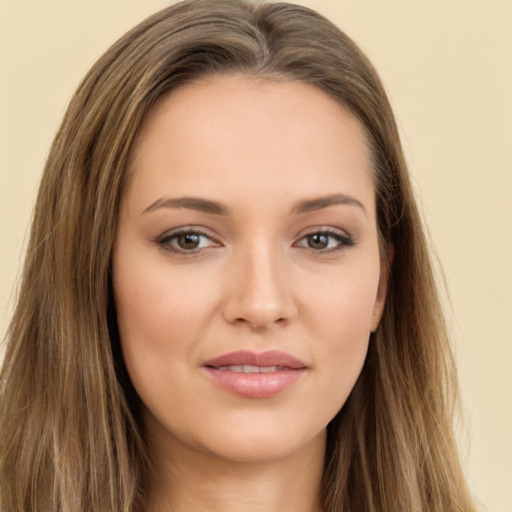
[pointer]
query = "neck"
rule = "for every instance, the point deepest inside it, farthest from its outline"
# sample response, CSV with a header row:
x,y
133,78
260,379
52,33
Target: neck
x,y
183,479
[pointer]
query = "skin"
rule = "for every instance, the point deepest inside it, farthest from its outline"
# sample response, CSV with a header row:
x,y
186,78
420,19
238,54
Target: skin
x,y
256,282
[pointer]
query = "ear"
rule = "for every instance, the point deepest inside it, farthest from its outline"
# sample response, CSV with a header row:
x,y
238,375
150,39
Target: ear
x,y
380,300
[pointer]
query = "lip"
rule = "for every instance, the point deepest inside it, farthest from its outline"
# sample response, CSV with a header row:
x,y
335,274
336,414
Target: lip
x,y
280,371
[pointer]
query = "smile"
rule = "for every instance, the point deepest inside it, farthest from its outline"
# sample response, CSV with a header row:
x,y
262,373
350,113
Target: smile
x,y
250,375
246,368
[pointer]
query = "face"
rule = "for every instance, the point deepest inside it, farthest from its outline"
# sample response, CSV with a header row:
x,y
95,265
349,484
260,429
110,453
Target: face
x,y
246,267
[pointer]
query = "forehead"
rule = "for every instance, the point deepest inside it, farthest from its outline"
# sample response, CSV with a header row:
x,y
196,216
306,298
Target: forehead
x,y
231,133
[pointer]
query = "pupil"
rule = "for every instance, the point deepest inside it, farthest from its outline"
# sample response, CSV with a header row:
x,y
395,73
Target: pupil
x,y
188,241
318,241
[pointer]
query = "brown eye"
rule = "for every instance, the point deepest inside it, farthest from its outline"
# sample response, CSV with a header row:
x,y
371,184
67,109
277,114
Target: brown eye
x,y
188,241
318,241
326,241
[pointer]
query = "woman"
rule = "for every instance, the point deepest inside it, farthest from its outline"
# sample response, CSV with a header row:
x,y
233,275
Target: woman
x,y
228,301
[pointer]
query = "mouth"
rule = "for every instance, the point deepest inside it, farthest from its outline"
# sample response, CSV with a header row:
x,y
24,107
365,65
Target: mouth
x,y
252,375
246,368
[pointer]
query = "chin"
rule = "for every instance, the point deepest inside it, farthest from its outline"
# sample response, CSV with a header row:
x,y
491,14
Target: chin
x,y
264,443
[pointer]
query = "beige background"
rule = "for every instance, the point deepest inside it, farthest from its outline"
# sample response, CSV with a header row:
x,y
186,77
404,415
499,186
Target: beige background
x,y
448,69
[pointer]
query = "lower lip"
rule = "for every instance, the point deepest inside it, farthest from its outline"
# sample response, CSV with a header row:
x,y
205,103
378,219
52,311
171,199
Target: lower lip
x,y
256,385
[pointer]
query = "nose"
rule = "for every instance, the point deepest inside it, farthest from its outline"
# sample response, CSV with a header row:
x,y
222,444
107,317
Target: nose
x,y
259,289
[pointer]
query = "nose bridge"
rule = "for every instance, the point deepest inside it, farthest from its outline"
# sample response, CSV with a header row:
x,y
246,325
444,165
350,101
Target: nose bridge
x,y
260,292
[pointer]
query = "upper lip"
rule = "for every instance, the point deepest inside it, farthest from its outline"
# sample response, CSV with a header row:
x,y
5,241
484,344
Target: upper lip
x,y
263,359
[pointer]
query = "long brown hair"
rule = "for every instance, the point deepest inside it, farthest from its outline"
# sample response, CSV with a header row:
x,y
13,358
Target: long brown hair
x,y
69,427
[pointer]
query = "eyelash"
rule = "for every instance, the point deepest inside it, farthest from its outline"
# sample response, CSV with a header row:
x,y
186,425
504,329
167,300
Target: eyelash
x,y
344,241
164,242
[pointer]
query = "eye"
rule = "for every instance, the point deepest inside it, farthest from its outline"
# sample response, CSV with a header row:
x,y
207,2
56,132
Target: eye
x,y
325,241
186,241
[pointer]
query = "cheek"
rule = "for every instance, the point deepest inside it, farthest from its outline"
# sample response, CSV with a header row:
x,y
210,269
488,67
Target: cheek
x,y
342,318
155,299
343,303
159,312
159,318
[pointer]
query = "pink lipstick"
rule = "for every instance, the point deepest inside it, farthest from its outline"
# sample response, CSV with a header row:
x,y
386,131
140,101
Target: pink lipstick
x,y
252,375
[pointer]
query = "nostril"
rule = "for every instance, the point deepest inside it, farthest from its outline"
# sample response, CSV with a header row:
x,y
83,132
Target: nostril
x,y
261,326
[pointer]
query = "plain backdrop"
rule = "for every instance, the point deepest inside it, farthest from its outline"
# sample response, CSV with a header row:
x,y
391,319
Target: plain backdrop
x,y
447,66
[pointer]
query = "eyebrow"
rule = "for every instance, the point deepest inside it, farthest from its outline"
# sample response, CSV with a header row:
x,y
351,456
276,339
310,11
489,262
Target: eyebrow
x,y
318,203
191,203
216,208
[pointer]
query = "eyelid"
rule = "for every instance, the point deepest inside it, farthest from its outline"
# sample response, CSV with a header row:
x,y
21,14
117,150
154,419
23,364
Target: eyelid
x,y
162,241
345,239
